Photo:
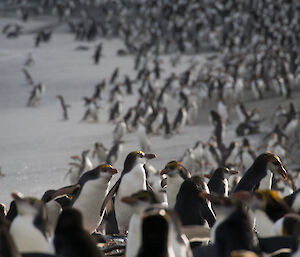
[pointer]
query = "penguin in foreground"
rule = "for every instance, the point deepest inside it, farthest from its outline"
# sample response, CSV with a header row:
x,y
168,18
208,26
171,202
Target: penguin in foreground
x,y
70,238
155,236
7,244
233,232
139,202
267,207
93,189
132,179
176,175
56,200
259,175
192,209
29,229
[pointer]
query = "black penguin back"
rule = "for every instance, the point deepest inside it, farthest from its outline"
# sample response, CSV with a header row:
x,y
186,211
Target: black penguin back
x,y
70,239
236,233
191,209
216,183
154,237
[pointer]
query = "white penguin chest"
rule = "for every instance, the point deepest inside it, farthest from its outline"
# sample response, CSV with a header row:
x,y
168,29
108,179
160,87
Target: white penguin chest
x,y
266,182
27,237
89,202
263,224
173,186
131,182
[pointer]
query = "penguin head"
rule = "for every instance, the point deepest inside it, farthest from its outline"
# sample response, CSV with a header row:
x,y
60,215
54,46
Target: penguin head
x,y
67,191
136,157
174,168
28,206
106,171
274,164
226,172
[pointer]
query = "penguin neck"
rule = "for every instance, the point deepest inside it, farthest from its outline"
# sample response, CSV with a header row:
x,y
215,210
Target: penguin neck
x,y
173,186
266,182
260,171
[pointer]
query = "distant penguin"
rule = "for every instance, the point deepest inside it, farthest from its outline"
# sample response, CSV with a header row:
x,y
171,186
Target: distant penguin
x,y
93,189
64,107
114,152
70,237
144,141
100,151
36,95
180,119
132,179
29,228
28,76
119,131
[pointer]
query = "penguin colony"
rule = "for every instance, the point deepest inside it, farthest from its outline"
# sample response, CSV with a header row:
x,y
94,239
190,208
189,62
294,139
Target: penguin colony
x,y
218,198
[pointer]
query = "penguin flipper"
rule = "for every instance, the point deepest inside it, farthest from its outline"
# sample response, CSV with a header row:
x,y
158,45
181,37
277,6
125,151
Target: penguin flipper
x,y
109,196
149,187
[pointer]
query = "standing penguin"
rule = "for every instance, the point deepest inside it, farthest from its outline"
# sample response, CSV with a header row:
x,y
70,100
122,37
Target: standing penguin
x,y
93,189
192,209
70,238
29,228
218,182
176,175
155,236
132,179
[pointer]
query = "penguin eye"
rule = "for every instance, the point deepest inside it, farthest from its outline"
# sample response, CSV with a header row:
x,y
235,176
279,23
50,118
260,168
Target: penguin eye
x,y
276,163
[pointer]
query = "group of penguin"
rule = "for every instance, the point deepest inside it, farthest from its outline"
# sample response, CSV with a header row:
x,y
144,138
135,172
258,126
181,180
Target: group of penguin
x,y
189,216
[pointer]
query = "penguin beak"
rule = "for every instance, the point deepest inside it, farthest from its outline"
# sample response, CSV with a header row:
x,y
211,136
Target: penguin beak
x,y
207,176
68,190
282,171
17,196
114,171
233,172
243,195
164,171
128,199
210,197
150,155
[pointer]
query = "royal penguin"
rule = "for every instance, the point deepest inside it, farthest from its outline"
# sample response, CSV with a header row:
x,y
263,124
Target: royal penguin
x,y
132,179
233,231
100,151
259,175
29,229
64,106
155,236
56,200
36,95
139,202
7,244
267,207
192,209
93,189
218,182
176,175
70,237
